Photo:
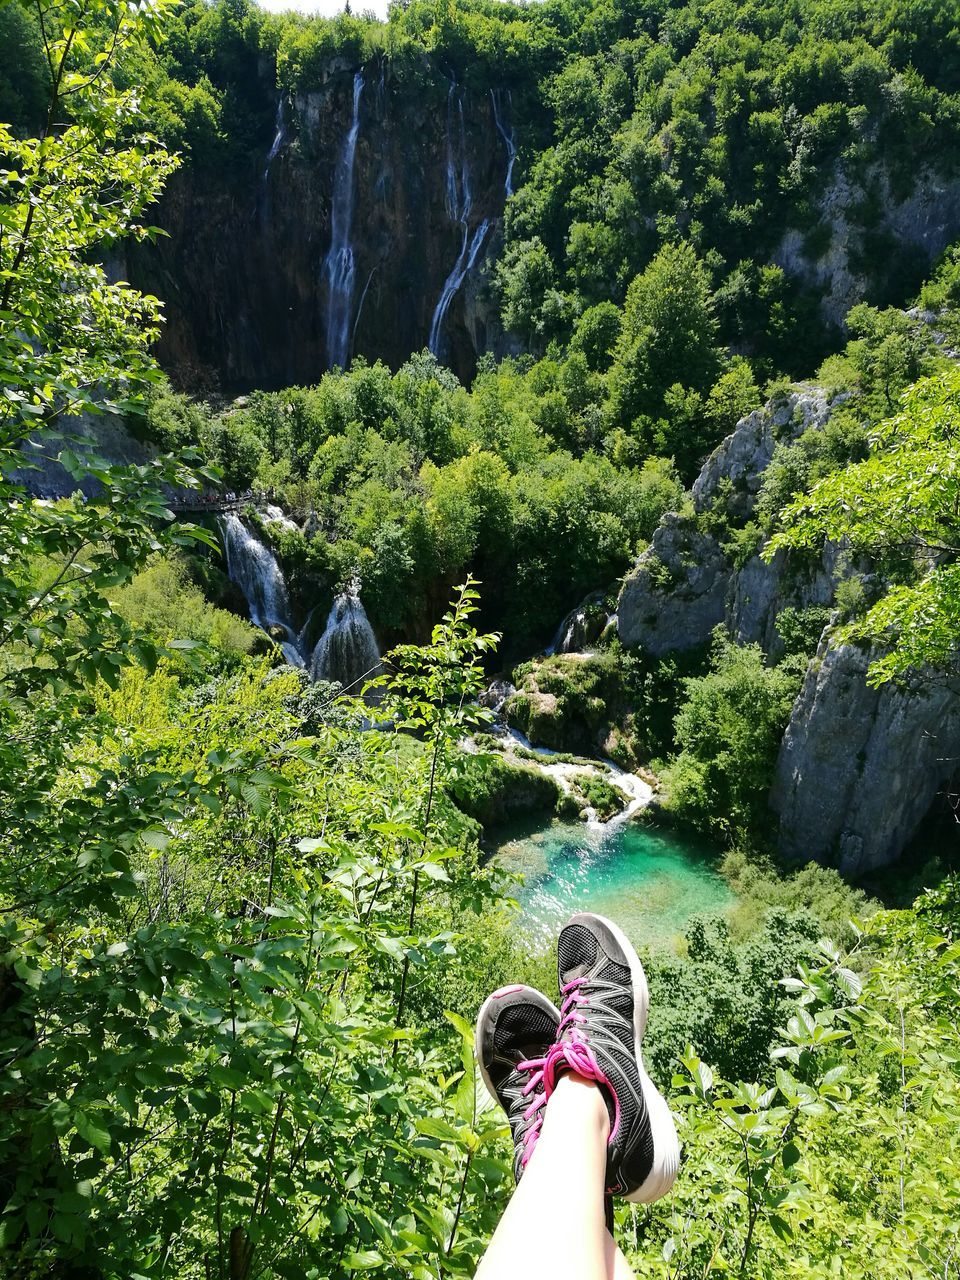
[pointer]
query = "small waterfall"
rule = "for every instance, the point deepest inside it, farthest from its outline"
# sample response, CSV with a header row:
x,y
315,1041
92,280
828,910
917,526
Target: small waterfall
x,y
581,627
339,266
496,96
253,567
459,207
347,652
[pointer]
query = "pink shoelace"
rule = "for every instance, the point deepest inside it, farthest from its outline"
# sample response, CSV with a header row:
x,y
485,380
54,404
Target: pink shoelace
x,y
536,1068
571,1052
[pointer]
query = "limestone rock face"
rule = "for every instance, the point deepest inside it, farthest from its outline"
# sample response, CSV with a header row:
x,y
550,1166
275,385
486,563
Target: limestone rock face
x,y
677,593
921,221
859,767
242,266
745,454
684,585
760,589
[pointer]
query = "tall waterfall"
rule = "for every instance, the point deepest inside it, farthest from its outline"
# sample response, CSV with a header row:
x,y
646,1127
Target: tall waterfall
x,y
347,651
279,137
339,266
253,567
459,207
496,100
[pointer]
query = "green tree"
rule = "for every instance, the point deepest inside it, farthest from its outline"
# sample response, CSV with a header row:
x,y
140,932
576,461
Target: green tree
x,y
900,505
728,730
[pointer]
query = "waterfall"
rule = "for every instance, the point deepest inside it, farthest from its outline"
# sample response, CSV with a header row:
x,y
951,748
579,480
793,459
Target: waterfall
x,y
253,567
507,136
339,266
279,138
347,652
459,207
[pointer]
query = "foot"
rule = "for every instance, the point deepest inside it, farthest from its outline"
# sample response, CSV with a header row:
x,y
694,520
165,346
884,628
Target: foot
x,y
515,1029
603,1018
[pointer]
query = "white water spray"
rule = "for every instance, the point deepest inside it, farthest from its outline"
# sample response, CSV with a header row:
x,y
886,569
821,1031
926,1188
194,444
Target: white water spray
x,y
496,96
459,207
347,652
254,568
339,266
279,137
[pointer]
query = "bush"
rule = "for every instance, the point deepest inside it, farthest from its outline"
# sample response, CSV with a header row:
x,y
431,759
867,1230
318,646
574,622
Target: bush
x,y
728,731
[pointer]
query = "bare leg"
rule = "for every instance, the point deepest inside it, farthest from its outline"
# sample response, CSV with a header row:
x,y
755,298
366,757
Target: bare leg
x,y
553,1225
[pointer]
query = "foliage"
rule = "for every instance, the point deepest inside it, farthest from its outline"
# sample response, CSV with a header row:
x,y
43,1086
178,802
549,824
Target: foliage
x,y
412,482
728,731
162,601
898,505
848,1161
493,790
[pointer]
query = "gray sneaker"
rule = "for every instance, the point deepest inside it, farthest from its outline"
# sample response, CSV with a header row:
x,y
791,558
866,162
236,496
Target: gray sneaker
x,y
602,1021
515,1028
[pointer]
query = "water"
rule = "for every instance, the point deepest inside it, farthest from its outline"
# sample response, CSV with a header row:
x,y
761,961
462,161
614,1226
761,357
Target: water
x,y
254,568
339,266
459,206
496,99
651,881
347,651
279,138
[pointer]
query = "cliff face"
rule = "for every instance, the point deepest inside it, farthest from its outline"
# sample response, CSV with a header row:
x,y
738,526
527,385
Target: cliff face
x,y
858,768
907,230
684,584
372,201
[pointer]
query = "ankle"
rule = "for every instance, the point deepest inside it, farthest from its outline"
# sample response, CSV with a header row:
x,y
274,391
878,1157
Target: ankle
x,y
575,1095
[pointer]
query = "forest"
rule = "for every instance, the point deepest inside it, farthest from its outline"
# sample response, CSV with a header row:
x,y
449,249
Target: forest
x,y
646,546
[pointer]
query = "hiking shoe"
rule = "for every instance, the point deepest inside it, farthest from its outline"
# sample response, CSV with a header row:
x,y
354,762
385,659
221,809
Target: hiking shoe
x,y
602,1021
515,1028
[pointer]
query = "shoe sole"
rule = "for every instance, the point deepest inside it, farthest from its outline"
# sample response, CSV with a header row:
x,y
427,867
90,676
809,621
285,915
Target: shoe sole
x,y
666,1145
484,1010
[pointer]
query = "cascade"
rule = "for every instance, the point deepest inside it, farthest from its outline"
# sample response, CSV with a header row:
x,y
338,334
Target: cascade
x,y
254,568
279,138
347,652
496,96
339,266
459,206
581,627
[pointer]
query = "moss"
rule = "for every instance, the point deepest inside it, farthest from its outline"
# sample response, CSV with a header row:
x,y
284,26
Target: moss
x,y
605,799
492,791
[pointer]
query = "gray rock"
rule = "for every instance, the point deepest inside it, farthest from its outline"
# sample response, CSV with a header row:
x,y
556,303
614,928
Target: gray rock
x,y
677,593
762,589
859,767
745,454
926,221
683,585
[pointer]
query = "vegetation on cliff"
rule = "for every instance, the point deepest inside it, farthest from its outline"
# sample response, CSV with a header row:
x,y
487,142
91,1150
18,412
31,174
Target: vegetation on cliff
x,y
240,936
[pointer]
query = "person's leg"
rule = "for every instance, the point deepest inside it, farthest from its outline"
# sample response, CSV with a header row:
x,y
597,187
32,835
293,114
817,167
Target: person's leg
x,y
554,1224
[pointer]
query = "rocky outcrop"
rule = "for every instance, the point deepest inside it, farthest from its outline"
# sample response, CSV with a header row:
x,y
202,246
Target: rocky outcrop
x,y
917,225
859,767
573,702
684,584
242,266
494,791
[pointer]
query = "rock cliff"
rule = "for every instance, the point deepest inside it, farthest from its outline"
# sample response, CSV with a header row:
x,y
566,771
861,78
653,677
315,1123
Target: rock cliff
x,y
408,207
900,236
685,584
858,768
